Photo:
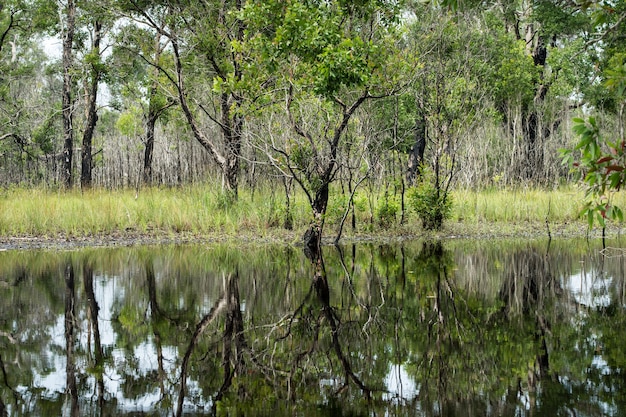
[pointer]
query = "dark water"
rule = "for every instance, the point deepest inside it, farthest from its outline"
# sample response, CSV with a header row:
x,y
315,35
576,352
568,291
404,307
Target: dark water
x,y
467,328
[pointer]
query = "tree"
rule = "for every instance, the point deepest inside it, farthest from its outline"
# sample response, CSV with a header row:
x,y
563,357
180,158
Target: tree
x,y
201,35
69,27
138,55
530,76
25,83
9,23
95,71
447,103
82,62
322,61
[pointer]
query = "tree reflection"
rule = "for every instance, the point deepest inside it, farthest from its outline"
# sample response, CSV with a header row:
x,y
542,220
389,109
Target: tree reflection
x,y
307,323
94,329
442,333
70,326
233,340
3,408
320,284
467,346
527,290
156,314
217,308
460,330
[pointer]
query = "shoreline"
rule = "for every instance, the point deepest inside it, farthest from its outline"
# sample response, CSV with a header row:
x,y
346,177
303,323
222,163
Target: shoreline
x,y
457,230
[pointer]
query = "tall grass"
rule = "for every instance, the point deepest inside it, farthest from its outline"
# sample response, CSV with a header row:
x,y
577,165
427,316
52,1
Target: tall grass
x,y
205,210
517,205
194,209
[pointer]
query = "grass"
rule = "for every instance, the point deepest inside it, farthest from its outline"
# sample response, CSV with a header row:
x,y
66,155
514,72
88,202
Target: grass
x,y
196,210
202,210
522,205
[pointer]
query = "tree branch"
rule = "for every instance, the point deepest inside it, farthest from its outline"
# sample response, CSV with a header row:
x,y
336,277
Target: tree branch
x,y
10,26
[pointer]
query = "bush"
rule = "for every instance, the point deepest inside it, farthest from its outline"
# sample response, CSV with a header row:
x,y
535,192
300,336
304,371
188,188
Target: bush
x,y
386,211
432,204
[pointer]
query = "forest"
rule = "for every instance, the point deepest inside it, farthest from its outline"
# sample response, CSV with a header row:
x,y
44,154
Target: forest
x,y
409,98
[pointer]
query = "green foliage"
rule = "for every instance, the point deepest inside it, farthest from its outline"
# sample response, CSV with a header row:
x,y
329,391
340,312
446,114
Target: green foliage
x,y
431,203
130,122
569,75
601,167
615,75
599,160
224,199
138,81
602,162
514,74
386,210
326,46
45,134
559,19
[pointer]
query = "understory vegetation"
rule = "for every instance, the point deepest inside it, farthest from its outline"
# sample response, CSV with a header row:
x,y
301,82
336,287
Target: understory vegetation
x,y
202,211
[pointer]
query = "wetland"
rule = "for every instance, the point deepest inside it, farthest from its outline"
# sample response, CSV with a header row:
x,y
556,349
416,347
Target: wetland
x,y
421,328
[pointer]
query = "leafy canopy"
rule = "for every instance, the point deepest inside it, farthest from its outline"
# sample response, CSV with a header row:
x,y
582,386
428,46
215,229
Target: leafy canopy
x,y
323,46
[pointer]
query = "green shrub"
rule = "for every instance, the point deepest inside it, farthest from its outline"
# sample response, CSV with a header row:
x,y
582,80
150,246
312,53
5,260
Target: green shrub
x,y
386,210
432,204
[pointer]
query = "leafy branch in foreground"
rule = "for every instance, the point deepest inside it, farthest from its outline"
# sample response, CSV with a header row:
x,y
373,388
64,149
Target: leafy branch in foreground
x,y
601,168
602,165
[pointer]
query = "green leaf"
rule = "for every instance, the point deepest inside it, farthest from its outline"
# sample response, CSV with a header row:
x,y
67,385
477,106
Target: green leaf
x,y
579,129
590,218
615,179
601,219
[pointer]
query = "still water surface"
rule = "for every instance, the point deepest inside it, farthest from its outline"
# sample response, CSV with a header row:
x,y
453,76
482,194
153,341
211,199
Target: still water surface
x,y
472,328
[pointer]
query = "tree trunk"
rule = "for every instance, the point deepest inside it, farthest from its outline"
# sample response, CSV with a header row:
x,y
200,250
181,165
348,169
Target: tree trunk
x,y
219,305
530,129
147,157
230,127
233,362
92,114
313,235
153,115
231,131
68,42
533,132
416,156
156,315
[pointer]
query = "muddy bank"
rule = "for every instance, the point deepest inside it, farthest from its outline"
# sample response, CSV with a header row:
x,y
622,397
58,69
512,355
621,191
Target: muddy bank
x,y
526,230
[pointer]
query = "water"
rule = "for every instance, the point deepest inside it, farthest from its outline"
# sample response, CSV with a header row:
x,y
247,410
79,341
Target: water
x,y
472,328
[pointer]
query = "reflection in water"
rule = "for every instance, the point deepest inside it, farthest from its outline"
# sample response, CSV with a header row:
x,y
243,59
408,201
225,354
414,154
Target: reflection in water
x,y
425,329
70,325
96,362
